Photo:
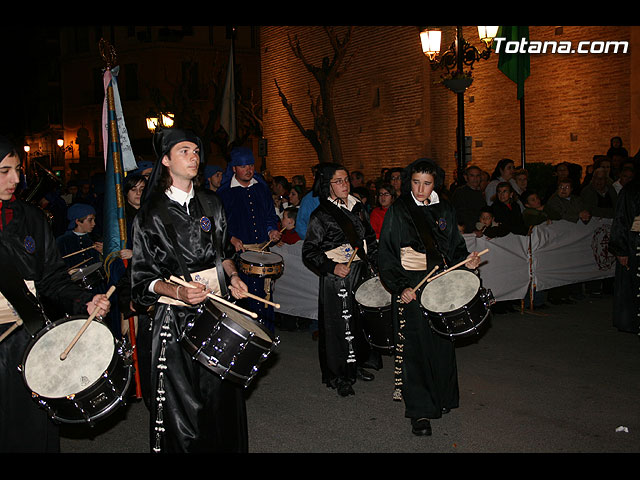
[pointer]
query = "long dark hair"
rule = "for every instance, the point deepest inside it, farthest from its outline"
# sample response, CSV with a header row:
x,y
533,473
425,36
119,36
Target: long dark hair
x,y
324,174
497,172
163,140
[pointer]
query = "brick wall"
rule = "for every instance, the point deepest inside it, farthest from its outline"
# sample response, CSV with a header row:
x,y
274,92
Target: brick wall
x,y
574,103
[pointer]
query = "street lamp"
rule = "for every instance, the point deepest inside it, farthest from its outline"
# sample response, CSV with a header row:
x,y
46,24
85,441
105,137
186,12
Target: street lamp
x,y
154,121
453,60
167,119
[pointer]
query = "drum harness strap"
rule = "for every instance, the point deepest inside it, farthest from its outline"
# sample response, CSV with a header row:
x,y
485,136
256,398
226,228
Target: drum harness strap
x,y
208,212
346,226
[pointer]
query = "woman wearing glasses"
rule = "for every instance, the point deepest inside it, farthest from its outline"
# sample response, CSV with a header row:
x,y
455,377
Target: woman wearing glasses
x,y
336,228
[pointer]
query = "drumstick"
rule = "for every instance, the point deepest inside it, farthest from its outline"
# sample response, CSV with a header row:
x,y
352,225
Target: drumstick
x,y
93,315
456,266
212,296
77,265
79,251
413,290
264,300
355,250
267,244
11,329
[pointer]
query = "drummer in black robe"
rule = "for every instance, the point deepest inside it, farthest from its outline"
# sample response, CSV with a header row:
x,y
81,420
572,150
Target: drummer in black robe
x,y
335,229
180,230
30,260
426,370
624,243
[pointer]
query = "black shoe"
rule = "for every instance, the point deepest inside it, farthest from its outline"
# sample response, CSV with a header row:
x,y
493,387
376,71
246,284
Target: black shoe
x,y
421,426
445,410
372,365
345,390
364,375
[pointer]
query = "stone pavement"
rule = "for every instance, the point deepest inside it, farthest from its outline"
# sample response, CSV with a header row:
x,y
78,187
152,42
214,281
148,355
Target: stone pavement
x,y
561,380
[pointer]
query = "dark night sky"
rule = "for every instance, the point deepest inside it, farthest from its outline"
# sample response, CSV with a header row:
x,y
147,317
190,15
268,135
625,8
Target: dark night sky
x,y
17,44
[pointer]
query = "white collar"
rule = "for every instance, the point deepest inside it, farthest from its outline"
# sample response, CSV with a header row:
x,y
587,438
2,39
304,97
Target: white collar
x,y
351,202
180,196
236,183
433,199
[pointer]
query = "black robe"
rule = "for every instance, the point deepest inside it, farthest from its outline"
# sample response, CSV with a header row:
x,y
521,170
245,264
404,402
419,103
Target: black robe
x,y
338,314
29,243
195,409
624,242
429,379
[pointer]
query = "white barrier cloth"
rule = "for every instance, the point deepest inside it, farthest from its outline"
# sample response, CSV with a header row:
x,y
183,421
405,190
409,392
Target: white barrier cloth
x,y
565,253
297,289
504,269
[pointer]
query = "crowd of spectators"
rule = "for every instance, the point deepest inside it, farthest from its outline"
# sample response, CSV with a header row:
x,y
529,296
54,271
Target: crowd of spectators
x,y
510,204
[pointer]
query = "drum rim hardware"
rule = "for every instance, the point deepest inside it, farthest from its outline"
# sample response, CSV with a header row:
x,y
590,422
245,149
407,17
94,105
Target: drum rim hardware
x,y
198,347
93,402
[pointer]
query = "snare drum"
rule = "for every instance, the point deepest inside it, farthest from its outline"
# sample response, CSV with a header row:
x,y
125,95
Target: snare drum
x,y
90,277
455,304
90,383
375,308
261,264
228,343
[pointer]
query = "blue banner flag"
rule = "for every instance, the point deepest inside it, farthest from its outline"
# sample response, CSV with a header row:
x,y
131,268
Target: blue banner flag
x,y
115,227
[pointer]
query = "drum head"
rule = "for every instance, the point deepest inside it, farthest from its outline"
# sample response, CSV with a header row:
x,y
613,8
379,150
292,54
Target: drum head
x,y
261,258
50,377
81,273
245,322
373,294
450,292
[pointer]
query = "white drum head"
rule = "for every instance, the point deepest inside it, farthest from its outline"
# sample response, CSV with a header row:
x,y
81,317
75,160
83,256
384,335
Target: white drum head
x,y
261,258
48,376
245,322
373,294
450,291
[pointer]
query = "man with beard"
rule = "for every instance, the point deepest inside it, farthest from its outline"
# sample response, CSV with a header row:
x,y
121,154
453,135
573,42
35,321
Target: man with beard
x,y
252,222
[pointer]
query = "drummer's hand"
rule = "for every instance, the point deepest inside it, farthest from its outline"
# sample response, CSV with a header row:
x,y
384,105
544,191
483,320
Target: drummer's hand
x,y
192,296
473,261
126,253
408,295
237,243
98,246
341,270
238,287
100,302
274,235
